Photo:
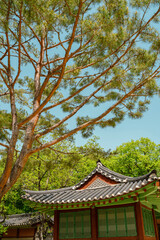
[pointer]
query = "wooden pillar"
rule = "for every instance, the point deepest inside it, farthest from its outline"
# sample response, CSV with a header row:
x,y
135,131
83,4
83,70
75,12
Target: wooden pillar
x,y
94,224
139,221
155,225
56,225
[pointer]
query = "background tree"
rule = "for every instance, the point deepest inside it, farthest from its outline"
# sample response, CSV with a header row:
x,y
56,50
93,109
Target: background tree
x,y
60,59
135,158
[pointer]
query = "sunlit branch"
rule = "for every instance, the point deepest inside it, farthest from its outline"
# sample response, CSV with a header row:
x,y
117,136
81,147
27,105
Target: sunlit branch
x,y
88,5
61,74
145,12
73,112
62,152
19,46
7,38
3,94
100,75
4,54
24,55
24,49
67,40
46,51
27,41
81,47
3,65
72,55
4,80
28,25
52,61
59,38
4,145
50,74
56,45
94,120
69,8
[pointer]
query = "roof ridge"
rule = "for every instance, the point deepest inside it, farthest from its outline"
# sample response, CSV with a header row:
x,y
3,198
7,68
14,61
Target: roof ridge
x,y
113,172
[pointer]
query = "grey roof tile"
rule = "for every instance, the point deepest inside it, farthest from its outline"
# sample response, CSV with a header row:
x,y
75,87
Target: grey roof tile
x,y
97,190
26,219
98,183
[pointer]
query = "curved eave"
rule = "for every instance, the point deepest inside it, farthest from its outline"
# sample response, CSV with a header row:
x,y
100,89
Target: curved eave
x,y
85,195
126,198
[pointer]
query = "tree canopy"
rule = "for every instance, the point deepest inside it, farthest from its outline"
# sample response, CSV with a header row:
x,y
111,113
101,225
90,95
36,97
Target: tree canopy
x,y
59,60
136,158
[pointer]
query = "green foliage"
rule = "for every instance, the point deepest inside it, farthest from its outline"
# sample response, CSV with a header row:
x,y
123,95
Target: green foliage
x,y
58,167
2,229
3,212
136,158
13,202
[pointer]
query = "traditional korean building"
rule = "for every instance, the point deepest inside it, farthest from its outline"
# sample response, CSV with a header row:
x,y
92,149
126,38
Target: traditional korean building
x,y
105,205
25,227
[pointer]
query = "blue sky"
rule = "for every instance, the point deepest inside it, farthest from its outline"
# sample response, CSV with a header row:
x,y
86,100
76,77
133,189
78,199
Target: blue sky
x,y
147,126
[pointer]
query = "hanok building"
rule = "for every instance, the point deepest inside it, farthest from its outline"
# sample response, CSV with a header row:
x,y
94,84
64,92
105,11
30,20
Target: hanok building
x,y
105,205
24,227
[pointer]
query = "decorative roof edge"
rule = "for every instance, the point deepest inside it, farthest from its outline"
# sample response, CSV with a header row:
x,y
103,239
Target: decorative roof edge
x,y
113,200
117,177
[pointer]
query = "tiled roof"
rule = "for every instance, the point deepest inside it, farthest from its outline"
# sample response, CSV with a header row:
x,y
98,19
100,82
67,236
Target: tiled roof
x,y
18,220
98,183
95,191
117,177
23,220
